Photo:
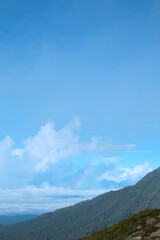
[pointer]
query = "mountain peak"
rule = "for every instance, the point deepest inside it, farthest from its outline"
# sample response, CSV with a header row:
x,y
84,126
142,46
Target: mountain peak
x,y
86,217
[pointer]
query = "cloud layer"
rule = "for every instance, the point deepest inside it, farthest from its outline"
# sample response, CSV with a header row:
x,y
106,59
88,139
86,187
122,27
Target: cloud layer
x,y
51,145
42,175
42,151
121,174
32,199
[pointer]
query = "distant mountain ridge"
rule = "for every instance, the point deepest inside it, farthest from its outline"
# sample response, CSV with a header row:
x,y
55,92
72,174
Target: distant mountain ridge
x,y
92,215
9,220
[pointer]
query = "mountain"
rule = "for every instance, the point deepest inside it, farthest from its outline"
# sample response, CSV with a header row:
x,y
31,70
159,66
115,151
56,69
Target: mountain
x,y
9,220
92,215
143,225
2,226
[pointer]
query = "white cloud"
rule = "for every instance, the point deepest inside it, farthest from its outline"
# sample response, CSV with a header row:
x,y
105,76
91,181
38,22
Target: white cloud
x,y
111,159
137,172
122,174
46,153
99,145
5,149
6,144
51,145
41,199
45,198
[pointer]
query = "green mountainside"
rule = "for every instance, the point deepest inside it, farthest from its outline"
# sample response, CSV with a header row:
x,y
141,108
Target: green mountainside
x,y
2,226
9,220
92,215
142,225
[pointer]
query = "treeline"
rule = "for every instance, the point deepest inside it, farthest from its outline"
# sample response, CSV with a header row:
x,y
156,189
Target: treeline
x,y
86,217
131,228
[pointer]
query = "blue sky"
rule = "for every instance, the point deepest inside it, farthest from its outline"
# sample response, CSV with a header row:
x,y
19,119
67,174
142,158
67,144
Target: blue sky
x,y
79,99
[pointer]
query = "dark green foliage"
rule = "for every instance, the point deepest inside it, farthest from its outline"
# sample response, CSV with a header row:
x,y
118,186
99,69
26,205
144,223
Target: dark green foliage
x,y
8,220
136,225
2,226
86,217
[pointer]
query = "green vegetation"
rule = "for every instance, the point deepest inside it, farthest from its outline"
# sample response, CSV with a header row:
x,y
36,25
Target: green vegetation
x,y
8,220
1,226
144,225
86,217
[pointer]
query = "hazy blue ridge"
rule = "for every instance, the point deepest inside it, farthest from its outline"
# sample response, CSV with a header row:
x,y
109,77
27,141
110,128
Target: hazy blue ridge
x,y
89,216
11,219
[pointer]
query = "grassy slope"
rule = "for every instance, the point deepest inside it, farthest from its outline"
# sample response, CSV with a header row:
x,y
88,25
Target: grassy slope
x,y
134,226
92,215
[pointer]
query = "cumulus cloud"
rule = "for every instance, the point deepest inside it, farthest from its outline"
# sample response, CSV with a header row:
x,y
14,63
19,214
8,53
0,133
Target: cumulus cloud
x,y
46,197
51,145
47,156
5,149
121,174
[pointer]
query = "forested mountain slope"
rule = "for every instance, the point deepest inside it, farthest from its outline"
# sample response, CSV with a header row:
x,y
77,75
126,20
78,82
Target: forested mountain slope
x,y
9,220
89,216
143,225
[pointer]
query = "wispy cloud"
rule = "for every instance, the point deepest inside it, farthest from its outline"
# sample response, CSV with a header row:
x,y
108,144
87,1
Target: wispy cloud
x,y
46,157
120,174
41,199
51,145
46,197
111,159
140,151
